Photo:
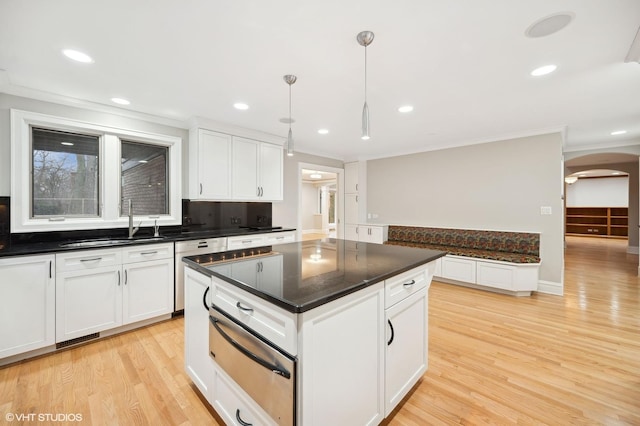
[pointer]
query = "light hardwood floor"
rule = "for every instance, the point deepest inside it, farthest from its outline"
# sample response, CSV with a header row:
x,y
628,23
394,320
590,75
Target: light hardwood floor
x,y
493,359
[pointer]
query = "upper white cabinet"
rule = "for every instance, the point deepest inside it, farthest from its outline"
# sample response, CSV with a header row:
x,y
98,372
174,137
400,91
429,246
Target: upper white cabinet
x,y
223,166
257,170
27,292
209,165
350,178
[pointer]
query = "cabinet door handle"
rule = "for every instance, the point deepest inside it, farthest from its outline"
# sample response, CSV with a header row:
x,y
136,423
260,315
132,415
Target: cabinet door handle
x,y
410,283
242,308
200,189
204,299
146,253
126,277
93,259
242,422
258,191
392,333
50,267
356,186
118,278
356,198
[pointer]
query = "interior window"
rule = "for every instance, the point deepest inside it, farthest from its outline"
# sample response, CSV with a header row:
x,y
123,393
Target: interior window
x,y
65,175
144,179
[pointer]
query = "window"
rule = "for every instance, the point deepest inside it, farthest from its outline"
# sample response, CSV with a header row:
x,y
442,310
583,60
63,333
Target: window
x,y
65,177
143,179
68,174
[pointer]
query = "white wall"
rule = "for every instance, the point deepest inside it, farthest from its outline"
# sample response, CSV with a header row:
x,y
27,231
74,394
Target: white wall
x,y
599,192
493,186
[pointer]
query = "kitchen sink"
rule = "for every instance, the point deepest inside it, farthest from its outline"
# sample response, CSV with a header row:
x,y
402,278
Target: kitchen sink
x,y
110,242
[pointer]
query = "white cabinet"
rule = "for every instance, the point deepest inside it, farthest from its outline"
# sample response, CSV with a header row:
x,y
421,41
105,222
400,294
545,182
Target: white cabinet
x,y
245,241
148,282
351,208
209,165
407,340
27,292
257,170
102,289
406,299
351,178
342,360
459,268
88,292
366,233
198,363
257,240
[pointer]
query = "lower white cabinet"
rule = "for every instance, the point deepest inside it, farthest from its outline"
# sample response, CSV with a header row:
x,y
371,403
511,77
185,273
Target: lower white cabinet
x,y
88,292
342,360
407,343
27,295
366,233
198,363
459,268
103,289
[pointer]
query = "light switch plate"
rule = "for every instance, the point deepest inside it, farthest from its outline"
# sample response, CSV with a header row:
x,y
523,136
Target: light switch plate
x,y
545,210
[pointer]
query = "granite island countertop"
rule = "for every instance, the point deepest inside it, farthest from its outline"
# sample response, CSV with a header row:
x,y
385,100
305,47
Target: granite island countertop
x,y
305,275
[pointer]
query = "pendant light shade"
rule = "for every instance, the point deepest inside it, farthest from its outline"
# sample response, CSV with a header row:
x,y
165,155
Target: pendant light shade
x,y
365,38
290,79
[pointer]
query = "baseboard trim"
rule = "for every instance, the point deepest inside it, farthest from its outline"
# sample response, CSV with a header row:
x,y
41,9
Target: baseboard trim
x,y
633,250
314,231
550,287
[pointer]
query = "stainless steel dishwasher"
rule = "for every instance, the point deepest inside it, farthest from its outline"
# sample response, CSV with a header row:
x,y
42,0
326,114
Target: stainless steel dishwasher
x,y
191,248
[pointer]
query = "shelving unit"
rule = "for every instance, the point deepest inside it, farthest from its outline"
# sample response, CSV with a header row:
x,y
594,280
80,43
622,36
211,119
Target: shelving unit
x,y
599,221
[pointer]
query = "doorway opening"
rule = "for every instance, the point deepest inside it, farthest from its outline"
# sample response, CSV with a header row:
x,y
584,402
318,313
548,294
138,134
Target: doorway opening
x,y
319,204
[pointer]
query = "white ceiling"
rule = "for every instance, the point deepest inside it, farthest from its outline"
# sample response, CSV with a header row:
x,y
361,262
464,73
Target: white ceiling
x,y
463,64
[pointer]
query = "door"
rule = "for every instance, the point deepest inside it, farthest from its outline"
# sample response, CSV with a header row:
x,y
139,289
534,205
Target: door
x,y
245,169
27,292
148,290
214,165
88,301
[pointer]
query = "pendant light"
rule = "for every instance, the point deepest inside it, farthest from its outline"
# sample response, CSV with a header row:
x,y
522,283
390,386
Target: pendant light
x,y
365,38
290,79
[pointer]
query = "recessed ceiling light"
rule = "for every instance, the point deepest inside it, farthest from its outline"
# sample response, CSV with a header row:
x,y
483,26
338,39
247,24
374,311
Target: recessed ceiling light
x,y
120,101
618,132
547,69
549,25
323,131
77,56
315,176
241,106
142,161
405,108
66,143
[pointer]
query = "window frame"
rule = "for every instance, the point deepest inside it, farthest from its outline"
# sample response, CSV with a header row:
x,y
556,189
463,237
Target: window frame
x,y
109,165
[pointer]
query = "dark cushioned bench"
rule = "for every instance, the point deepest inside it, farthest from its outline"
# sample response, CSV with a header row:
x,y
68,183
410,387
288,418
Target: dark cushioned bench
x,y
514,247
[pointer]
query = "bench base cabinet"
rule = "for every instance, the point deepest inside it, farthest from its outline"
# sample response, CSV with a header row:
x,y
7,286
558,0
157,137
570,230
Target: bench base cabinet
x,y
518,279
366,233
345,360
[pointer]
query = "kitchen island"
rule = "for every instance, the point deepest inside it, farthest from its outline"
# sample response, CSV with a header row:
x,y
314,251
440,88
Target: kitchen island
x,y
342,329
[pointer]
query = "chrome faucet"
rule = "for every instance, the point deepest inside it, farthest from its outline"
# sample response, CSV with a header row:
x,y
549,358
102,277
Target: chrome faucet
x,y
132,230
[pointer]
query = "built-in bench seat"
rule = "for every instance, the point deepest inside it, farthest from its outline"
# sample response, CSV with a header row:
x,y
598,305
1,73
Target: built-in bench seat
x,y
497,260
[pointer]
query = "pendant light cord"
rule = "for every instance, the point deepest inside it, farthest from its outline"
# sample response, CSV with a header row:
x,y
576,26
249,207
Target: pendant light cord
x,y
289,106
365,74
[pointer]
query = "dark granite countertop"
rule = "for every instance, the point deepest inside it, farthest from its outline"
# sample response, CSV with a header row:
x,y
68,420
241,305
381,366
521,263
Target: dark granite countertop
x,y
59,245
312,272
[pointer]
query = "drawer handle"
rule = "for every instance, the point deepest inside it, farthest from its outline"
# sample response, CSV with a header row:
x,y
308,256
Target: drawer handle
x,y
93,259
410,283
246,241
392,332
242,308
146,253
242,422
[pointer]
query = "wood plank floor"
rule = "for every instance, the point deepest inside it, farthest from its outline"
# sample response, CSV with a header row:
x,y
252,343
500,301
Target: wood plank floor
x,y
493,360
